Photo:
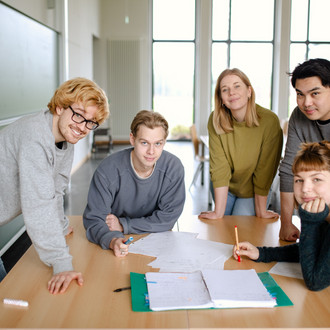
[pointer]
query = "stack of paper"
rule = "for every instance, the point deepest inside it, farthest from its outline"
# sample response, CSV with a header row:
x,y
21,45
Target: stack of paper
x,y
207,289
182,252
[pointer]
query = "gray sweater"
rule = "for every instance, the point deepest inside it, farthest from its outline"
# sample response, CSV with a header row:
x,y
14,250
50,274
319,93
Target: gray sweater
x,y
145,205
33,176
301,129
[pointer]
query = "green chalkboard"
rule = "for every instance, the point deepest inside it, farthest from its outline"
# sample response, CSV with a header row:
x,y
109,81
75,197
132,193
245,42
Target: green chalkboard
x,y
28,64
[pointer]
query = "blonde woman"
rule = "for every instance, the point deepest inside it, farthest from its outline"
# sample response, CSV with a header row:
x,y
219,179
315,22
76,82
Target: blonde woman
x,y
245,149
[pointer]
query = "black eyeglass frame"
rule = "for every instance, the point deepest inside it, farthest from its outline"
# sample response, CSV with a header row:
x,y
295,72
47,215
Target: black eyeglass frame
x,y
94,124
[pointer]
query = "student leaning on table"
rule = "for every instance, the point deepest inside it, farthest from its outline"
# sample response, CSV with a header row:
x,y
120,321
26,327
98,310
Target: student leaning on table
x,y
36,154
136,190
311,169
309,122
245,142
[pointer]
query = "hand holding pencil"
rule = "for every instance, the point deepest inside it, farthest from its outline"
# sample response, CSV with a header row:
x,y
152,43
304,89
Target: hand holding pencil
x,y
245,249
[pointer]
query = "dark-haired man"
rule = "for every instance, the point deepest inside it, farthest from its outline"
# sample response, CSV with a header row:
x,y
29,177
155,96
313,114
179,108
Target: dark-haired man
x,y
309,122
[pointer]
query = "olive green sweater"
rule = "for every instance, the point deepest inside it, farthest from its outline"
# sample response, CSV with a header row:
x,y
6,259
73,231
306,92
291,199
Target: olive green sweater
x,y
246,160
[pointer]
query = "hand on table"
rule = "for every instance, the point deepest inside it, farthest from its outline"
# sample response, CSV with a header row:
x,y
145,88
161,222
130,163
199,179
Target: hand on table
x,y
209,215
289,232
268,214
70,231
61,281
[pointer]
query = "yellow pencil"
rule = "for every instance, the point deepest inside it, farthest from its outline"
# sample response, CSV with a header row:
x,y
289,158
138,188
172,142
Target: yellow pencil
x,y
237,246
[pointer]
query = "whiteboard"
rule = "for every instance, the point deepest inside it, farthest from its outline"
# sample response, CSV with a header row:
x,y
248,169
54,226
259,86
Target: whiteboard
x,y
28,64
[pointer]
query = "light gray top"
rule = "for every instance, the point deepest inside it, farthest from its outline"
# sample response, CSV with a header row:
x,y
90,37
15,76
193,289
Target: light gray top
x,y
33,176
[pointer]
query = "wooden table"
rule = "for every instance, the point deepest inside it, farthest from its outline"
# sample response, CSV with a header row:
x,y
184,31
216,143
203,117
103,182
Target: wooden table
x,y
95,305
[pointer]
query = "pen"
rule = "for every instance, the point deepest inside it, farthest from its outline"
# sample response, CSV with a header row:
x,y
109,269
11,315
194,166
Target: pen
x,y
129,240
237,246
122,289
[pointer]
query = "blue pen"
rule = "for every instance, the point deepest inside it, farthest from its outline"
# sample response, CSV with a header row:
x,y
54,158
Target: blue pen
x,y
129,240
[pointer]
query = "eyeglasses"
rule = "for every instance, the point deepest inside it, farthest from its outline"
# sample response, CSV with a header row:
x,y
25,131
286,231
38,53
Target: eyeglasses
x,y
77,118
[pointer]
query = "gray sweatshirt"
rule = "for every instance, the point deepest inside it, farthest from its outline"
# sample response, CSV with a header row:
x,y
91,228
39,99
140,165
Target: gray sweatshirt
x,y
33,176
301,129
142,205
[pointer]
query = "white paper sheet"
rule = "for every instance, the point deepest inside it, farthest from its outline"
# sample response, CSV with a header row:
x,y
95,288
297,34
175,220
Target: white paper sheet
x,y
182,252
207,288
289,269
237,288
168,291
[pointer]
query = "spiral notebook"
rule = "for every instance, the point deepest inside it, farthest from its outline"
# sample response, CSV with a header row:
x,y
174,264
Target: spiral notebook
x,y
205,289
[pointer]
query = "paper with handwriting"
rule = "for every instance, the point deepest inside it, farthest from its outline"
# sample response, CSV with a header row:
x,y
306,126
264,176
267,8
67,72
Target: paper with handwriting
x,y
206,289
182,252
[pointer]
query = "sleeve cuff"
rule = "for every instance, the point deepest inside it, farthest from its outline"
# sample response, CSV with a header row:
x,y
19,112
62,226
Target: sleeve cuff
x,y
313,217
123,221
105,243
63,266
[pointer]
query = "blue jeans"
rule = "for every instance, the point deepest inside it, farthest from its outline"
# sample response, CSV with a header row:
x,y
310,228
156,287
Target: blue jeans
x,y
239,206
3,272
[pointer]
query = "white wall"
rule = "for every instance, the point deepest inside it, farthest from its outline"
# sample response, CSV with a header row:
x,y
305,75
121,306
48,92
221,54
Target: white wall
x,y
113,27
83,24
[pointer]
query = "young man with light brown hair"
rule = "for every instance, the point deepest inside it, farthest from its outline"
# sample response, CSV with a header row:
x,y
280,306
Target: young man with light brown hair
x,y
136,190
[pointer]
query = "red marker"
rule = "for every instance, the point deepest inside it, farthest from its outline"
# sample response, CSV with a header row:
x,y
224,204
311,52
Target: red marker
x,y
237,246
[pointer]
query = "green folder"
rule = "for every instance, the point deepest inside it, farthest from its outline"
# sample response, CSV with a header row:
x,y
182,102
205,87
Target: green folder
x,y
139,290
275,290
141,304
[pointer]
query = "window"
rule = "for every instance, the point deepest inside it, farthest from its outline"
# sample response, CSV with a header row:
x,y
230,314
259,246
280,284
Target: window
x,y
174,63
310,36
242,37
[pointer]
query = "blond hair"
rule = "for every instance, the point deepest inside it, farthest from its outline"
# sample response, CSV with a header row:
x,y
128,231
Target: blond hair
x,y
222,116
81,90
